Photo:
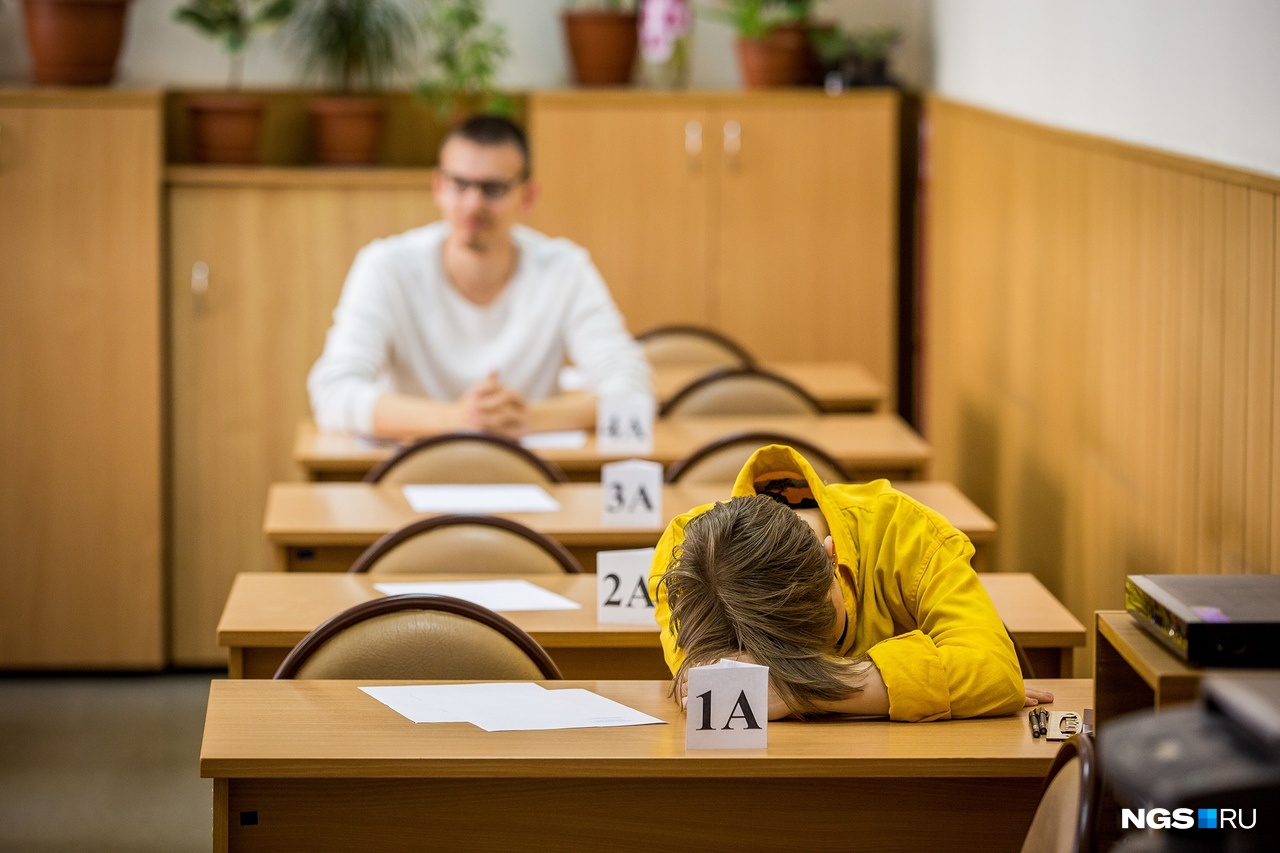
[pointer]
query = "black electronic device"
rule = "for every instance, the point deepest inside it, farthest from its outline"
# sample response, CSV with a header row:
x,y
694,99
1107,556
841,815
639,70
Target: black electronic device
x,y
1210,620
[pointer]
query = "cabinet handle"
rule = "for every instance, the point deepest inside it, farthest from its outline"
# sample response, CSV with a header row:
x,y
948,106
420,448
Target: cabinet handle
x,y
200,286
693,144
732,144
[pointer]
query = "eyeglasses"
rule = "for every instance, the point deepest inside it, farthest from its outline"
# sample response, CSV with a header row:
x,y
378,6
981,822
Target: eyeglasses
x,y
493,189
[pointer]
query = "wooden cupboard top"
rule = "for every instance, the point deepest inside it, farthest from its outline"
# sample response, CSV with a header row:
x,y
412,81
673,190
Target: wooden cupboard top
x,y
276,609
78,96
329,729
297,177
317,514
623,97
837,385
859,441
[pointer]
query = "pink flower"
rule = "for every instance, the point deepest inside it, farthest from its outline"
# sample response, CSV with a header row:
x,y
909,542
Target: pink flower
x,y
661,23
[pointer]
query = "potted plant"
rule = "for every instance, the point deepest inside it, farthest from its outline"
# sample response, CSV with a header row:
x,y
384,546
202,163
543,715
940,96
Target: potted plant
x,y
773,47
74,42
225,127
463,53
859,58
603,37
353,45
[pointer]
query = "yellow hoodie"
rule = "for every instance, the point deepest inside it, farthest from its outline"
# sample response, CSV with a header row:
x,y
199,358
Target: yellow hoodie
x,y
915,605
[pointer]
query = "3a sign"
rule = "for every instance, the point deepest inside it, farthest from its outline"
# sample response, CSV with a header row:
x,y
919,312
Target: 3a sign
x,y
624,424
631,493
622,587
728,706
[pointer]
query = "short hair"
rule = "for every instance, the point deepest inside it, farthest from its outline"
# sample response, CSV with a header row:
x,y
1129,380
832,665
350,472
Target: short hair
x,y
751,576
494,130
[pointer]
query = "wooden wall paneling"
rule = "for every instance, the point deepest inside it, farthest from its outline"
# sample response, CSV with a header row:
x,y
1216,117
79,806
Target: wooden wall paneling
x,y
1260,516
1209,505
1275,387
630,181
1166,310
1235,374
806,224
277,258
1191,343
80,479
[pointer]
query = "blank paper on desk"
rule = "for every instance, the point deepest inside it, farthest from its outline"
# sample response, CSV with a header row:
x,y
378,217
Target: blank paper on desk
x,y
506,497
500,595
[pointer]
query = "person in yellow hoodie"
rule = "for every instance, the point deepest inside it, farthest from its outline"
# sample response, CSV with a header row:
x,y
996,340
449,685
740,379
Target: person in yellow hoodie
x,y
859,599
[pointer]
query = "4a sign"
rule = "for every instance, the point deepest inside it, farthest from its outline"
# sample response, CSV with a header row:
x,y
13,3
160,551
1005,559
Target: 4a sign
x,y
622,587
624,424
728,706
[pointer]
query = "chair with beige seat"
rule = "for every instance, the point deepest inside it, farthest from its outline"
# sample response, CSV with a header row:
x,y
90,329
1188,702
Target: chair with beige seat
x,y
720,461
1064,821
418,637
465,457
466,543
740,391
692,345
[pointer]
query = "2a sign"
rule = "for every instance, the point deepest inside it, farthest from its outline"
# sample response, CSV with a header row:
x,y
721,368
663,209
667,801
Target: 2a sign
x,y
622,587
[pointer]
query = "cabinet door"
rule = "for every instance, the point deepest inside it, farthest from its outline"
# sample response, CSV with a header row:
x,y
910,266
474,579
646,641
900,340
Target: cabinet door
x,y
806,227
276,258
80,516
627,177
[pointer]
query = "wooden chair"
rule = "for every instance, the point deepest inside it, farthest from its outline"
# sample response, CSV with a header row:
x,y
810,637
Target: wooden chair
x,y
466,543
465,457
720,461
685,345
1065,819
419,637
741,391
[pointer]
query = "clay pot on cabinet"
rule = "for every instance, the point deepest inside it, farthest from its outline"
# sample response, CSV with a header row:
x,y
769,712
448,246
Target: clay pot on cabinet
x,y
602,46
780,58
74,42
225,128
346,130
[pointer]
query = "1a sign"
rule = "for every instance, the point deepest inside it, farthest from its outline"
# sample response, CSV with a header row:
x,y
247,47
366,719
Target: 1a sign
x,y
622,587
632,493
624,424
728,706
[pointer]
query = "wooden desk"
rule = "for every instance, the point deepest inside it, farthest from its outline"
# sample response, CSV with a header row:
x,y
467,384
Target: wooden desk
x,y
318,765
840,386
1134,672
325,526
868,445
267,613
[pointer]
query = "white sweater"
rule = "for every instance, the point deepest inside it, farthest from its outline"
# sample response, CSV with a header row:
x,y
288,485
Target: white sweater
x,y
400,327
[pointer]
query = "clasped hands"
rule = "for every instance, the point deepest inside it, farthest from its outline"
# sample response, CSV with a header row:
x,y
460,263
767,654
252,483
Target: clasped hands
x,y
491,406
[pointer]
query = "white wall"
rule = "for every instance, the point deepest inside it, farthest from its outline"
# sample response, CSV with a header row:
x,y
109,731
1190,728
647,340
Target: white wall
x,y
159,52
1198,77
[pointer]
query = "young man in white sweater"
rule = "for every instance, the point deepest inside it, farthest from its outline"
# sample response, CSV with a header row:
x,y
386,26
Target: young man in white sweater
x,y
464,323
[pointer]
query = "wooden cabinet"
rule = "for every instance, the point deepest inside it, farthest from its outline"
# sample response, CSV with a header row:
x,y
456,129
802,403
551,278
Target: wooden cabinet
x,y
80,378
277,244
771,216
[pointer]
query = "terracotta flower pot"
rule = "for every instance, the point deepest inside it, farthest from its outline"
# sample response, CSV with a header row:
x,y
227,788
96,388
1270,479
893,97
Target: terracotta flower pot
x,y
225,128
781,58
346,130
74,42
602,46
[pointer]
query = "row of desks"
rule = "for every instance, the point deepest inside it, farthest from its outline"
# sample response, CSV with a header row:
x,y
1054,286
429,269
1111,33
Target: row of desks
x,y
325,526
868,445
268,613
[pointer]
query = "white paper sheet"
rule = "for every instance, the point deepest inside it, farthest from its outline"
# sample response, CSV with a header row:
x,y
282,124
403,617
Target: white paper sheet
x,y
507,497
569,439
507,706
500,595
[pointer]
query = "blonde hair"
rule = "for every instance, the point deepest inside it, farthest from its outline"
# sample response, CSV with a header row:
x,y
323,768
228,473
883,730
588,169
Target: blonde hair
x,y
751,576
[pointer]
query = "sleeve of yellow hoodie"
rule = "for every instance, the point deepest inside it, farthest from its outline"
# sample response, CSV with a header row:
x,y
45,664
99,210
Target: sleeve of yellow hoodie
x,y
960,662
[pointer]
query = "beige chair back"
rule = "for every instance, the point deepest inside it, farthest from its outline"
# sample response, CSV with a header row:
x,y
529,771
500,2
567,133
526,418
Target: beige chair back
x,y
1064,820
692,345
719,462
418,637
465,458
466,543
740,391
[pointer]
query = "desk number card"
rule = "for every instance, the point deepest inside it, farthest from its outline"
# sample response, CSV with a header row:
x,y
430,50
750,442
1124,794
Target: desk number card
x,y
624,424
622,587
632,493
728,706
